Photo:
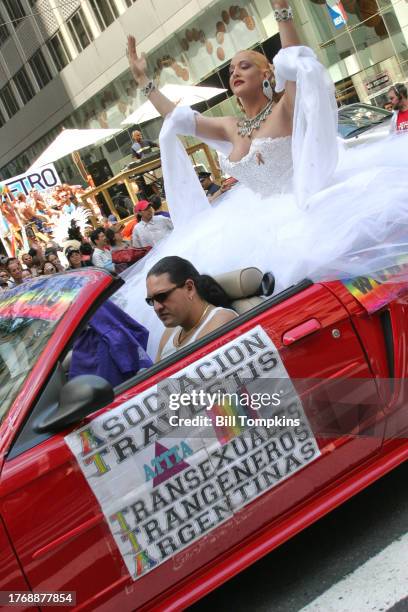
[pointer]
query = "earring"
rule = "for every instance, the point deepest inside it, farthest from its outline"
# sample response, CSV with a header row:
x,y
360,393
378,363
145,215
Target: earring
x,y
267,89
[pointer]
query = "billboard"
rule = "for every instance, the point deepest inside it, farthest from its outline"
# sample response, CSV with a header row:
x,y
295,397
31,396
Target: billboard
x,y
40,179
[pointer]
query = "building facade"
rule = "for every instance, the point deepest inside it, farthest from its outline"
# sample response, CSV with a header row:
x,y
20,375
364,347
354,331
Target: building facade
x,y
63,62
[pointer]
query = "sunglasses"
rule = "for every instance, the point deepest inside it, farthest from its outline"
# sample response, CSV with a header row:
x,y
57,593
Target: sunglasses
x,y
161,297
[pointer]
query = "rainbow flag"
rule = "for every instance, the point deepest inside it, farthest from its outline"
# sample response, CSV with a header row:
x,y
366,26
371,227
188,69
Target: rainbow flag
x,y
44,298
375,292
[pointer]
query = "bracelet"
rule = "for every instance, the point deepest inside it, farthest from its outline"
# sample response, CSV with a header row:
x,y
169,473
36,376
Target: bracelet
x,y
147,89
283,14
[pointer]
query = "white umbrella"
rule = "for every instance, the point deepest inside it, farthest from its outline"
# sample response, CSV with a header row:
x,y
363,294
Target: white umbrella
x,y
182,95
69,141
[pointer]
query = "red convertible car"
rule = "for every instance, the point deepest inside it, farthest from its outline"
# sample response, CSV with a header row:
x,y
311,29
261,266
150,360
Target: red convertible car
x,y
149,494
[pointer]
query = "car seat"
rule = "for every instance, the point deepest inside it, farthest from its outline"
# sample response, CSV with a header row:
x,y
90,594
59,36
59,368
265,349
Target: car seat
x,y
246,287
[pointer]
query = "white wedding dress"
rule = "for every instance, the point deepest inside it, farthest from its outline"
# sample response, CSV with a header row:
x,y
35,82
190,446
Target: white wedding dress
x,y
303,208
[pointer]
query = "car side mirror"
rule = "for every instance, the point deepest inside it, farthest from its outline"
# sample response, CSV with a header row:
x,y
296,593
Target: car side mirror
x,y
78,398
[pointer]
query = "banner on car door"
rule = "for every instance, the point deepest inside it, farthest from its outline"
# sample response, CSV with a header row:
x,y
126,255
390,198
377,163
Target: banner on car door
x,y
174,462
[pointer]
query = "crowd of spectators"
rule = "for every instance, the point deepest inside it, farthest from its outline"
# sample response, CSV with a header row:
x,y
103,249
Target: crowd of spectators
x,y
112,245
108,243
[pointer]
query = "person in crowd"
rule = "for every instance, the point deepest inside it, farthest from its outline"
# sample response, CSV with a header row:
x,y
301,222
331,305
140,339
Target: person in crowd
x,y
27,274
8,209
207,183
28,211
388,106
74,258
15,270
189,304
139,145
212,190
129,226
48,268
86,251
101,257
123,205
115,238
4,280
68,206
38,202
117,243
51,255
36,247
156,202
398,96
28,261
150,229
37,255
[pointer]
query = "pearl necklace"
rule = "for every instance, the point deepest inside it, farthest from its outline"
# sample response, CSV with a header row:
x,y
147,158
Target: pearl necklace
x,y
248,125
179,340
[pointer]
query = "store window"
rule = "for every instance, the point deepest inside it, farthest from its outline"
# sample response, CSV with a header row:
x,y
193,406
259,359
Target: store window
x,y
8,98
15,10
24,86
105,12
40,69
59,51
80,31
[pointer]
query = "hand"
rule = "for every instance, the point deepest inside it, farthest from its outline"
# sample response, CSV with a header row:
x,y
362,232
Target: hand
x,y
138,65
225,187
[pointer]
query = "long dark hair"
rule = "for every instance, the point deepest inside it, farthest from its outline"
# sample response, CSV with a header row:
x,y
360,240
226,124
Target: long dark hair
x,y
180,270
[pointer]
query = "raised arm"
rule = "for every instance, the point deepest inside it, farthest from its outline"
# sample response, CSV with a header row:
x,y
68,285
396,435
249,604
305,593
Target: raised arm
x,y
138,67
287,31
289,38
216,128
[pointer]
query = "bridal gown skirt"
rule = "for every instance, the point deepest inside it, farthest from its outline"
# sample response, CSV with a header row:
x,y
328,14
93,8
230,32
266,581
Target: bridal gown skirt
x,y
356,226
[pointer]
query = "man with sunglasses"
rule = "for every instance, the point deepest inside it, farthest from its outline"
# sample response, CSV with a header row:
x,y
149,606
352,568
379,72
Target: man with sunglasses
x,y
151,228
190,305
398,96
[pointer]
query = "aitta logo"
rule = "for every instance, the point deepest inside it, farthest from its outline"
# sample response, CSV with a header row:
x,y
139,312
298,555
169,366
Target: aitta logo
x,y
337,13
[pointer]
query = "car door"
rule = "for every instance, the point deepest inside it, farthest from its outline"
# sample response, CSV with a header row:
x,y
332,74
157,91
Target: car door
x,y
63,301
382,327
99,509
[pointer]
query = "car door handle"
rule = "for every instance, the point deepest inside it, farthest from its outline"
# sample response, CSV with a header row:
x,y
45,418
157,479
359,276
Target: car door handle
x,y
300,331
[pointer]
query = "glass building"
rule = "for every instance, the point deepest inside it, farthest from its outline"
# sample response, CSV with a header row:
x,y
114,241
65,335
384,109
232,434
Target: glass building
x,y
64,64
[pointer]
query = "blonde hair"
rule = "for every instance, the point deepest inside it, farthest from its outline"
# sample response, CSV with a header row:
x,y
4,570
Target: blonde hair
x,y
262,63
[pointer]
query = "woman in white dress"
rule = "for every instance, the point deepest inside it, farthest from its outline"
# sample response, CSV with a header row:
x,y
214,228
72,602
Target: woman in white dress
x,y
302,207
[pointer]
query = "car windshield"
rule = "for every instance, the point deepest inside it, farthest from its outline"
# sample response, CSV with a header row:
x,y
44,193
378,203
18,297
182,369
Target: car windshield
x,y
29,315
359,118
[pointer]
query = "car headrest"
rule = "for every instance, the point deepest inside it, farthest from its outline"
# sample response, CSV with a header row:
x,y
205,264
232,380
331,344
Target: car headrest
x,y
240,283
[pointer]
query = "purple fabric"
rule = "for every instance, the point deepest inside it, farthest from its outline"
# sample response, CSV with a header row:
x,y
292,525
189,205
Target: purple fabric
x,y
113,346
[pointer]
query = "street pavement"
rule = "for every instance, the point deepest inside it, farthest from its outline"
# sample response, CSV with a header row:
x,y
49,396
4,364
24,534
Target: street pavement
x,y
353,560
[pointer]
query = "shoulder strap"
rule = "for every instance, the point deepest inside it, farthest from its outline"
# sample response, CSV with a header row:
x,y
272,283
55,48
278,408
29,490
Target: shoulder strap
x,y
203,323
